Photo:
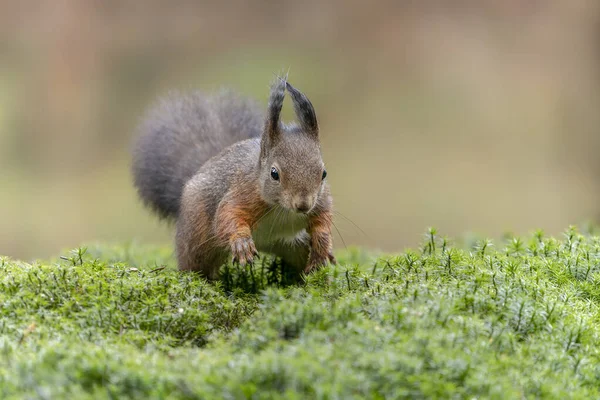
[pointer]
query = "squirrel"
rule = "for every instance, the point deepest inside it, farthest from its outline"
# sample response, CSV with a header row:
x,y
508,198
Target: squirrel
x,y
236,180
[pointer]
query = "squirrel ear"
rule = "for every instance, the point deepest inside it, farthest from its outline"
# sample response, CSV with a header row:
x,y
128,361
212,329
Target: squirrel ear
x,y
272,129
304,111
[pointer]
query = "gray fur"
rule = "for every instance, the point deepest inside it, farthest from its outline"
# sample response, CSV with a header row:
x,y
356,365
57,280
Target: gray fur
x,y
297,158
304,111
293,150
272,128
181,133
196,152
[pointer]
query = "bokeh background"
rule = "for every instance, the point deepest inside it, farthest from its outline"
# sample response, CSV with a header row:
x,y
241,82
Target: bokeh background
x,y
468,115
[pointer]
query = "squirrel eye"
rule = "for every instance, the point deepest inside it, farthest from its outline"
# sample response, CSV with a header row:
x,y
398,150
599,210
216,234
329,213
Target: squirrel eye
x,y
274,174
324,174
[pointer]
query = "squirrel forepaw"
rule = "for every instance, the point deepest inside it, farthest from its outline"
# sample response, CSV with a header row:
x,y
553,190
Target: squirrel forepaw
x,y
243,251
315,263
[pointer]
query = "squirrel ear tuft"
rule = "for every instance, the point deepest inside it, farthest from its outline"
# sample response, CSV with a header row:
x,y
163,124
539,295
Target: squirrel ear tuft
x,y
305,111
272,129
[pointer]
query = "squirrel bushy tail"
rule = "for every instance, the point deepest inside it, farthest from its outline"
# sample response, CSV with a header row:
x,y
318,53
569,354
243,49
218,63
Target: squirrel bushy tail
x,y
181,133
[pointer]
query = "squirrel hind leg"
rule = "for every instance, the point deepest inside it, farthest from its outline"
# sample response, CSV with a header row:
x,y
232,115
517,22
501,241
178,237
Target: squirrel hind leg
x,y
207,264
294,255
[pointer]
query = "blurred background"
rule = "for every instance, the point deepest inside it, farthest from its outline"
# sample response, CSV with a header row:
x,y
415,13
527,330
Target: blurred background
x,y
468,115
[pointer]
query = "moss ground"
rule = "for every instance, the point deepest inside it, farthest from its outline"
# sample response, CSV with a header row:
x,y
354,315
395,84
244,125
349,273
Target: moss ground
x,y
517,319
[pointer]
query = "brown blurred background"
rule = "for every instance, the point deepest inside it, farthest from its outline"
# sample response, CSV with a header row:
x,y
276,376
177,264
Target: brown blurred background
x,y
468,115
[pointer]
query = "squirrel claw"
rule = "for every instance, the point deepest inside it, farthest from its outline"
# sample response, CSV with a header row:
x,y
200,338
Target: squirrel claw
x,y
319,262
332,259
243,251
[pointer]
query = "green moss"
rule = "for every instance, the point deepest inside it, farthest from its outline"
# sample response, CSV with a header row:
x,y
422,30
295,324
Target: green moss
x,y
518,319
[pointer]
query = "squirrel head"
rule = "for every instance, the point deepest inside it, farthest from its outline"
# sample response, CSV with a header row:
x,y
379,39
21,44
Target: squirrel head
x,y
292,172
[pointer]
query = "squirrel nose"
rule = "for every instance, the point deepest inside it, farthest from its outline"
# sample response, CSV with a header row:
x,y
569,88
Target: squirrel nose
x,y
303,207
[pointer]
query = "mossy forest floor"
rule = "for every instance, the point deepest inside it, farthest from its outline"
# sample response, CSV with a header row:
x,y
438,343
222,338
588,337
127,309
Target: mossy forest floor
x,y
513,319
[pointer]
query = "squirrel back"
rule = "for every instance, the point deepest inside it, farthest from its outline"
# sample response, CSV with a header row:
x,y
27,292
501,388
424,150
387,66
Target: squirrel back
x,y
179,134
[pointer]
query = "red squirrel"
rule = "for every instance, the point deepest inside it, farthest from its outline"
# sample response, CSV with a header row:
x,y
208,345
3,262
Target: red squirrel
x,y
237,181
